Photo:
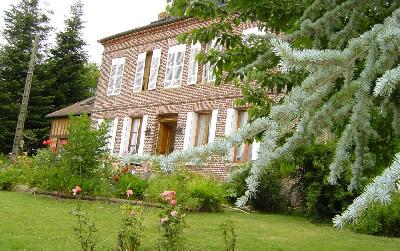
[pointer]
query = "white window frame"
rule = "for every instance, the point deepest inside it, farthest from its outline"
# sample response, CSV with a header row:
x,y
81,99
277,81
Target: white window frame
x,y
112,90
174,50
193,64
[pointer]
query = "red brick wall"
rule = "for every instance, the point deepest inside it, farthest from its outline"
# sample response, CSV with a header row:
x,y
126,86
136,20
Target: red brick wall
x,y
154,103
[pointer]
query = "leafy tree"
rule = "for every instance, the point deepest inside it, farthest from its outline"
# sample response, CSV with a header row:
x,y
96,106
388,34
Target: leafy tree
x,y
341,57
22,22
72,77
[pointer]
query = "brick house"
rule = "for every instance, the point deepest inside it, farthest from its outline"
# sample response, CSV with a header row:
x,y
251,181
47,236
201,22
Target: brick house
x,y
156,98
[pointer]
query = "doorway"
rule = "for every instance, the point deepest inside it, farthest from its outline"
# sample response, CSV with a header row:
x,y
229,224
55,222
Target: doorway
x,y
166,134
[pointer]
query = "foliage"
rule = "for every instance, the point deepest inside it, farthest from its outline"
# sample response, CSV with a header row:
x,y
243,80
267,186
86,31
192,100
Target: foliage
x,y
72,77
229,233
381,219
165,182
21,22
269,196
194,192
85,151
321,200
131,229
206,194
171,224
346,56
126,181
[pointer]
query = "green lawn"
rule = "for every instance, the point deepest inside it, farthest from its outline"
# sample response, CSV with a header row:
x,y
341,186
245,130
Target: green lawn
x,y
29,222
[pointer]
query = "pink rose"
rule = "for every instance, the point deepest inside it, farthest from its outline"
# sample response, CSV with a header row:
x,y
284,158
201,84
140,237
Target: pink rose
x,y
172,202
164,220
174,213
129,192
76,190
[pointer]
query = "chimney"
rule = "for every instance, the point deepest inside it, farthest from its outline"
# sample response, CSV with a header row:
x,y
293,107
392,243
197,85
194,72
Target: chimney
x,y
162,15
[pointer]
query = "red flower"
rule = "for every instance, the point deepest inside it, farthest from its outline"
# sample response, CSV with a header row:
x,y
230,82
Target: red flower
x,y
63,141
126,169
46,142
116,178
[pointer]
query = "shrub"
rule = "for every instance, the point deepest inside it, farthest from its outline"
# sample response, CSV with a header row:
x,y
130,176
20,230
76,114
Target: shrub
x,y
194,192
172,223
322,201
381,219
130,232
167,182
86,147
269,197
206,195
130,181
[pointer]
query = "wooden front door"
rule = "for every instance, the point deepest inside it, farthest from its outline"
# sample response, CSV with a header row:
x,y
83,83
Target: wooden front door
x,y
166,134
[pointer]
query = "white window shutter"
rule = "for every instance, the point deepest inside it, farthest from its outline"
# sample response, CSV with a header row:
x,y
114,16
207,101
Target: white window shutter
x,y
255,149
213,126
138,82
114,133
231,126
143,134
155,63
231,120
193,64
190,130
123,147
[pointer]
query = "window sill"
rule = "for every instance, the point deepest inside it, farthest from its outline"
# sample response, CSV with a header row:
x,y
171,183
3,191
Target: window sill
x,y
113,95
172,88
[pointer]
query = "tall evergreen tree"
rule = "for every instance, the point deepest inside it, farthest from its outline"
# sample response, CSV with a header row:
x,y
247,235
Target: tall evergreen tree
x,y
69,69
22,22
342,59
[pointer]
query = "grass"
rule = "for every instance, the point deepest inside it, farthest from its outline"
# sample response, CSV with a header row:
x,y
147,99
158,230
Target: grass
x,y
29,222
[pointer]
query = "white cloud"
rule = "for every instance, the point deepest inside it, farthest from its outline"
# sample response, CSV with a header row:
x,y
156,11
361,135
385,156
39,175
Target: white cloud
x,y
103,18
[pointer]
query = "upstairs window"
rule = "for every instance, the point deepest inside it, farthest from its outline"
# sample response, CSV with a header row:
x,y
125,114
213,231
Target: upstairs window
x,y
117,70
193,64
208,68
147,70
174,69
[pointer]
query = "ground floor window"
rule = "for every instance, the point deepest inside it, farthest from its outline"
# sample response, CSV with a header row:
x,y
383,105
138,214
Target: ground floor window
x,y
203,128
134,135
244,151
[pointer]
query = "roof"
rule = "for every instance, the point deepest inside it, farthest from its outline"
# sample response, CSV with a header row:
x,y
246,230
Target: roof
x,y
154,24
81,107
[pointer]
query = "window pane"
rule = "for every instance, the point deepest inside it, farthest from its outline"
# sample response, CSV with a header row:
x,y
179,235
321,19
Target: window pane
x,y
113,70
170,59
118,81
178,72
120,69
168,74
179,58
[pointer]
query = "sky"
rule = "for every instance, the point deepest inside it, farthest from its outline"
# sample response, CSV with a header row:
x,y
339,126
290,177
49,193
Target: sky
x,y
102,18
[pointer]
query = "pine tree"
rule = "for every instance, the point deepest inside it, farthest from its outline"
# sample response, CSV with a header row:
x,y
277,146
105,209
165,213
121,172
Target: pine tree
x,y
22,22
342,60
71,75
